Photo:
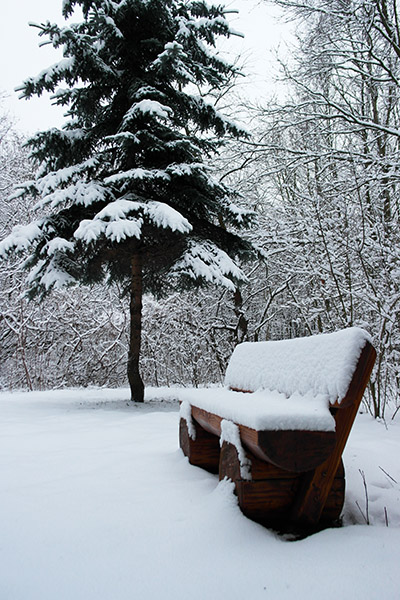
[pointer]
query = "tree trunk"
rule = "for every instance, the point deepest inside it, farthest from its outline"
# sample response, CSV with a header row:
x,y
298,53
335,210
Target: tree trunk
x,y
242,323
135,309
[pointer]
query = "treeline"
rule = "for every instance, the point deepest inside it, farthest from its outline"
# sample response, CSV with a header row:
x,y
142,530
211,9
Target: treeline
x,y
321,170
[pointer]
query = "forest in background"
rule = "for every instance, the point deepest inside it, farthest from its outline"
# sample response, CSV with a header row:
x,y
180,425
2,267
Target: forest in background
x,y
321,169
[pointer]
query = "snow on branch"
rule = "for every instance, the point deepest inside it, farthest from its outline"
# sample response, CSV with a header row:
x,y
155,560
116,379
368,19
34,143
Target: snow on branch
x,y
57,245
171,50
137,173
117,230
56,179
21,237
54,277
124,218
81,193
204,261
166,217
150,107
118,209
46,78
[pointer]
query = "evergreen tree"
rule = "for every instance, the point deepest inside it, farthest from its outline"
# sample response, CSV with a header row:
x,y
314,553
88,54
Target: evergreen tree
x,y
123,190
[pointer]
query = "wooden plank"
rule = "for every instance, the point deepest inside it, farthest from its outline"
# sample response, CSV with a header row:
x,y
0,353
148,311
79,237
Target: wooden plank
x,y
334,503
229,466
208,421
297,451
268,497
317,484
267,501
203,451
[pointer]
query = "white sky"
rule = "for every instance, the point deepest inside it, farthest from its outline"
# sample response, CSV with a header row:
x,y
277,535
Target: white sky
x,y
21,56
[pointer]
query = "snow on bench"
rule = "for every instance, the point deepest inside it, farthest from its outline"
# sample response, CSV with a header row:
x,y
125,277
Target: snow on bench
x,y
264,409
291,403
294,382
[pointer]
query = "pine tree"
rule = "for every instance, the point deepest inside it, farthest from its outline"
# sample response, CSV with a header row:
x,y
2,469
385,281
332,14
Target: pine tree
x,y
123,190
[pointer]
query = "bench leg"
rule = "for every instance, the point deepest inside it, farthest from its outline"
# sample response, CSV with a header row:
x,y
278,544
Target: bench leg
x,y
269,496
204,450
317,484
334,503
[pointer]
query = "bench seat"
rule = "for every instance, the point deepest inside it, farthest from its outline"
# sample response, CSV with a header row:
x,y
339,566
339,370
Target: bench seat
x,y
265,409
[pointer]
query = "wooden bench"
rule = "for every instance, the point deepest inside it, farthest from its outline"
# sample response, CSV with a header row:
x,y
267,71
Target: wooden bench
x,y
279,426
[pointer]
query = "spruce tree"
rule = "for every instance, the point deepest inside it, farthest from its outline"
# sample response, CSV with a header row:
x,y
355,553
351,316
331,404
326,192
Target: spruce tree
x,y
123,189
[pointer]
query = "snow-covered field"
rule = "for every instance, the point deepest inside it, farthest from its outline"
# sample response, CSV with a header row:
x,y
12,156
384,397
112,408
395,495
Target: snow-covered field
x,y
97,502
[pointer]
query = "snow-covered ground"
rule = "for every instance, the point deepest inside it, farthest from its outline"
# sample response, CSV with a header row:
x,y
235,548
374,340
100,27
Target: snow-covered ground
x,y
97,502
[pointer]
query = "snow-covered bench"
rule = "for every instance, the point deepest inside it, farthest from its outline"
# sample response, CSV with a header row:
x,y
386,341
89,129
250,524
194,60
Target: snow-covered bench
x,y
282,443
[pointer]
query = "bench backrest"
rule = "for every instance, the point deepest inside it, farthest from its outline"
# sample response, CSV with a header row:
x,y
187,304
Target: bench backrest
x,y
320,364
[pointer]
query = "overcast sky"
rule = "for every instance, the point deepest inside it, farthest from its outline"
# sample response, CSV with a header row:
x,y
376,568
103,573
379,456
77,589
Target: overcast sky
x,y
21,56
